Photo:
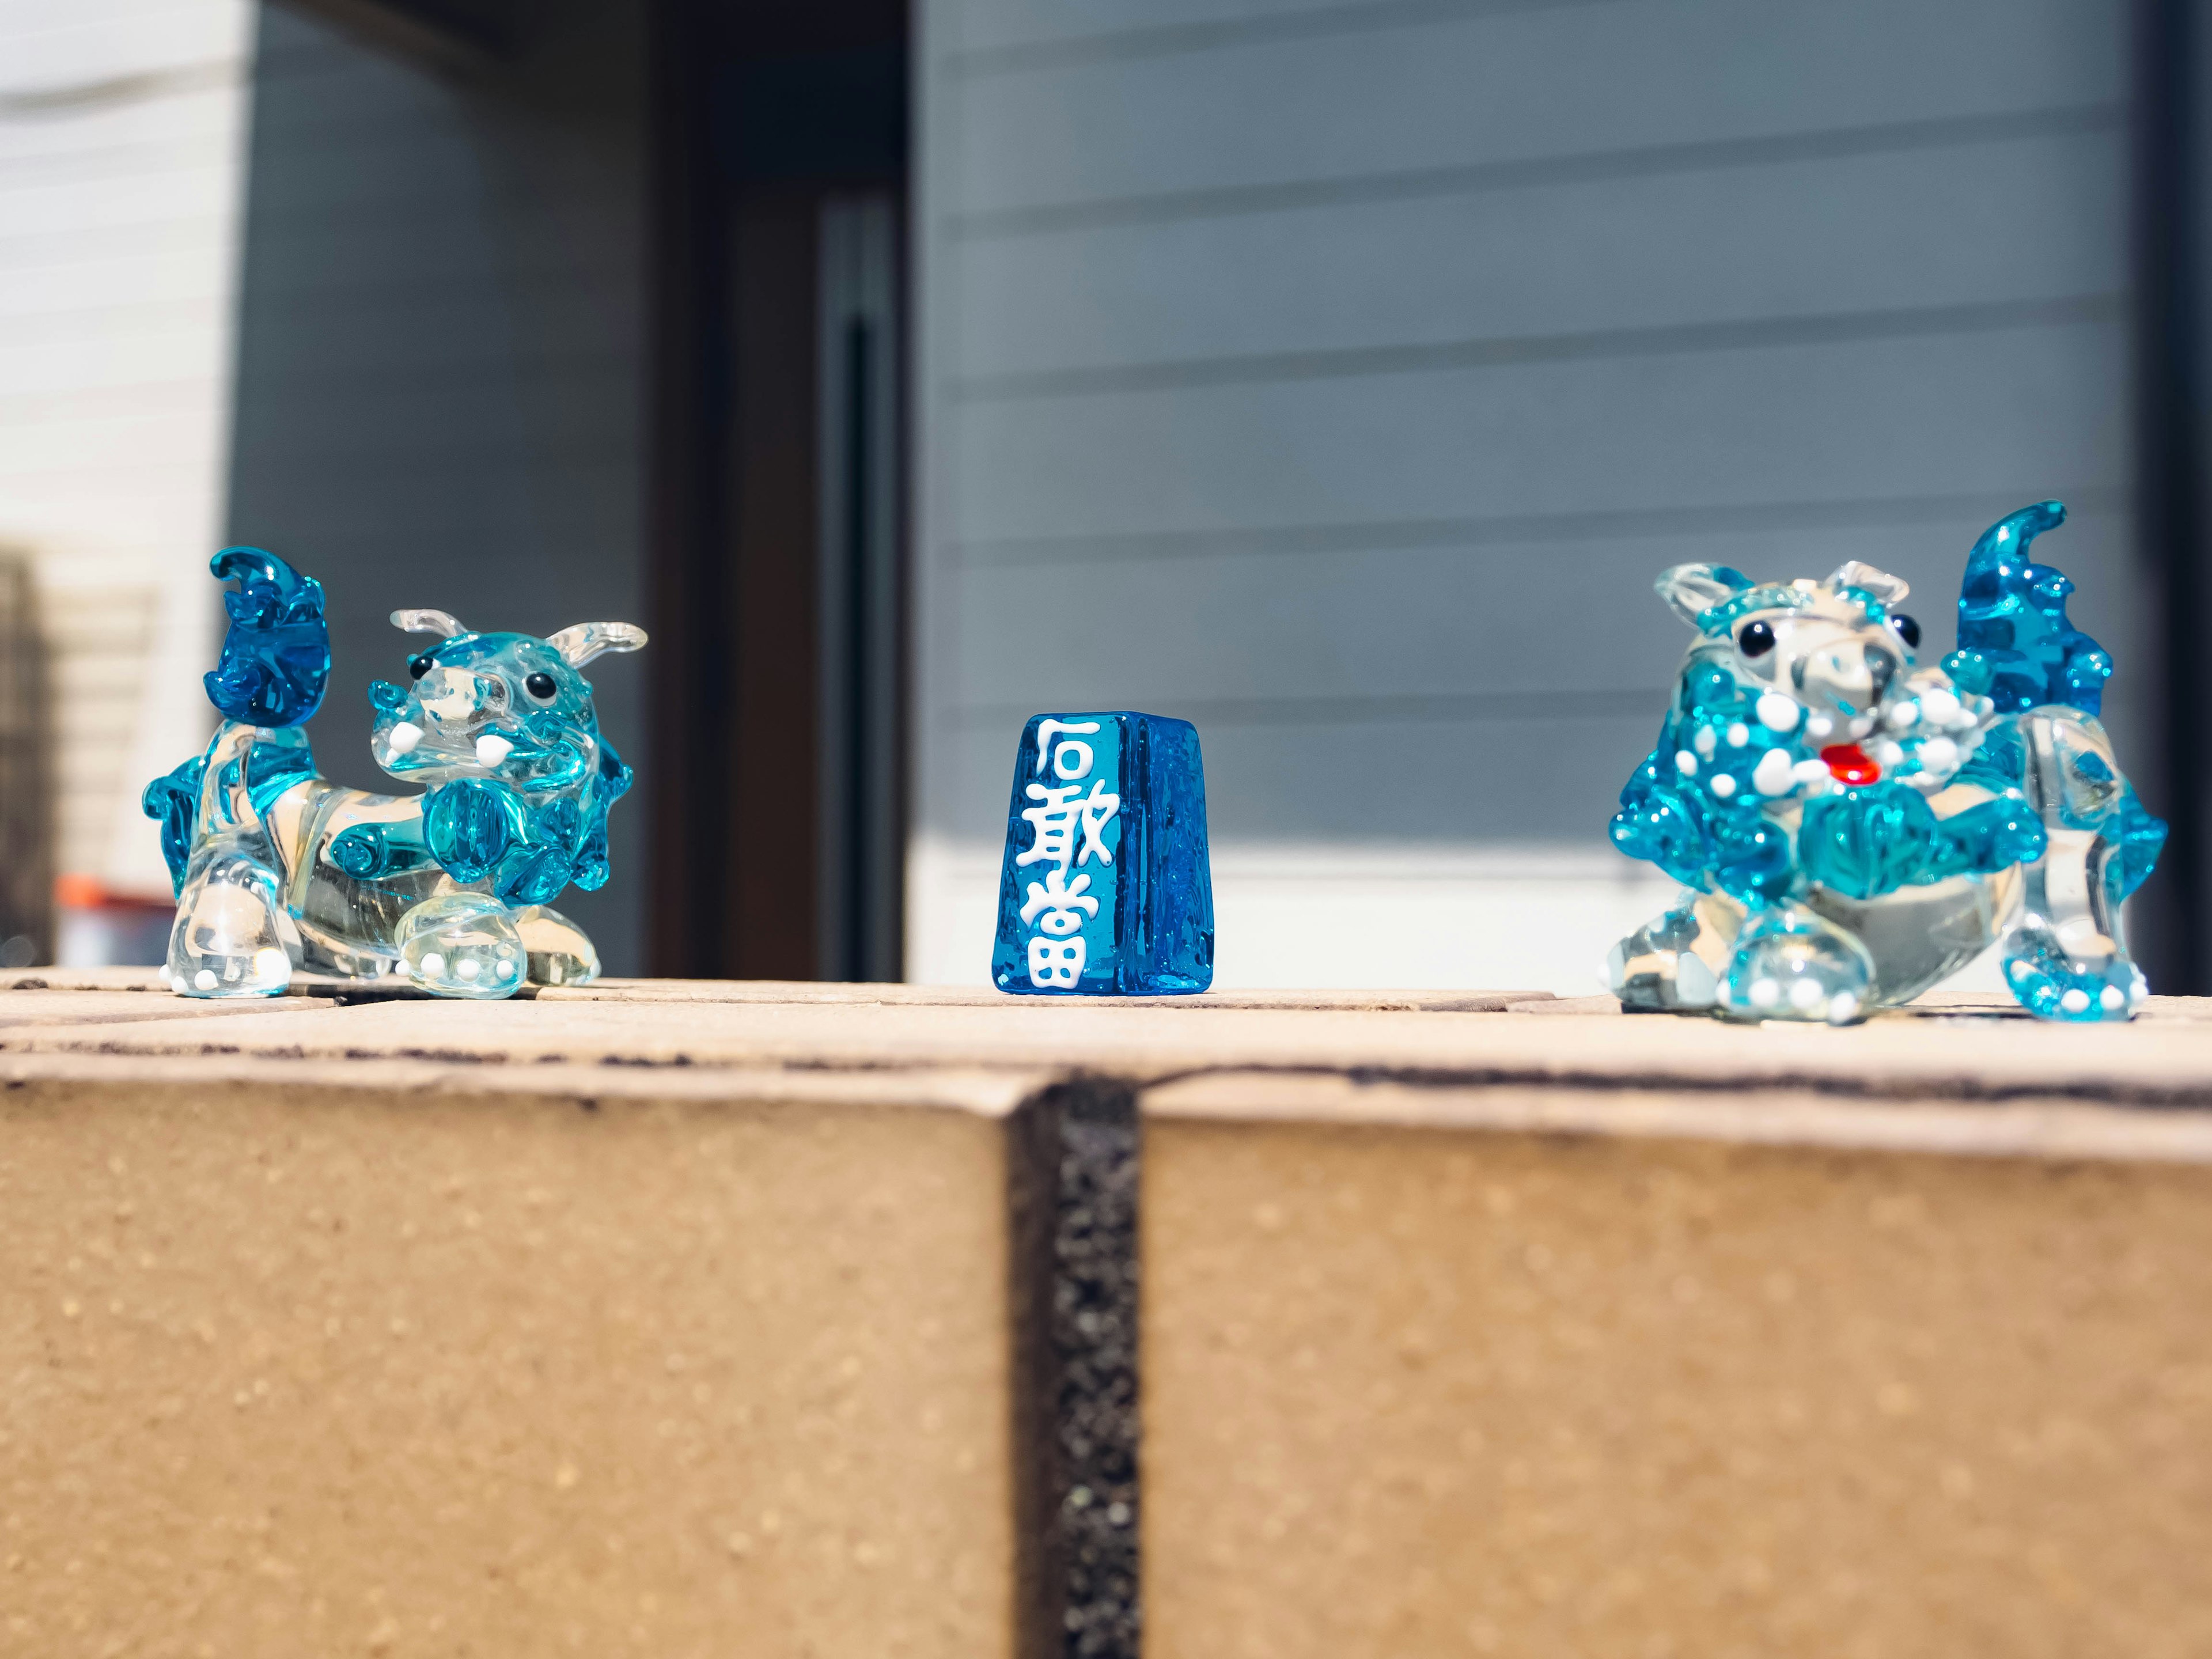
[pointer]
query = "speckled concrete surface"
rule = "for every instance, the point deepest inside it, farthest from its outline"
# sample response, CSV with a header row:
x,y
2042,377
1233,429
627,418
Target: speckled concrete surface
x,y
294,1367
748,1320
1962,1056
1456,1390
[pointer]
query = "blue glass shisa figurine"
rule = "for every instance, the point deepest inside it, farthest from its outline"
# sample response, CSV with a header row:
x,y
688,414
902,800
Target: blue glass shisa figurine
x,y
1107,888
1854,828
276,869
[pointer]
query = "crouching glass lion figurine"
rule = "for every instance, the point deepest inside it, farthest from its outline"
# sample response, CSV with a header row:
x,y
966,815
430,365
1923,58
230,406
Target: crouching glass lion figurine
x,y
278,870
1854,828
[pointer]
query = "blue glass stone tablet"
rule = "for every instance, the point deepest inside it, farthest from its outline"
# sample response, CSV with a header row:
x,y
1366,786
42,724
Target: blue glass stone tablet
x,y
1106,889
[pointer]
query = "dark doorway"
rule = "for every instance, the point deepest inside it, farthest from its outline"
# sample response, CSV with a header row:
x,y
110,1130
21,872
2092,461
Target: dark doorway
x,y
781,172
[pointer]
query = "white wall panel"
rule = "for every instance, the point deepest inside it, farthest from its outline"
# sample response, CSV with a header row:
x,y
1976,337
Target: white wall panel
x,y
122,128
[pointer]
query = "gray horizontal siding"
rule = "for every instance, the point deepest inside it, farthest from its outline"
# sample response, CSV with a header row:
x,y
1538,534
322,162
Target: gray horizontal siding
x,y
1515,85
1508,621
1673,424
1545,662
1955,221
1001,35
1341,381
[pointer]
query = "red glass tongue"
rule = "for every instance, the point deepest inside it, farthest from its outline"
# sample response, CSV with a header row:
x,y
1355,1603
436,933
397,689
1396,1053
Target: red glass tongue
x,y
1848,763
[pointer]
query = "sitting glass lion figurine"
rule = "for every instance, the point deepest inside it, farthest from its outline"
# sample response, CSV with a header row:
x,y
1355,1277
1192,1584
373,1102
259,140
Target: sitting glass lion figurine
x,y
276,869
1854,828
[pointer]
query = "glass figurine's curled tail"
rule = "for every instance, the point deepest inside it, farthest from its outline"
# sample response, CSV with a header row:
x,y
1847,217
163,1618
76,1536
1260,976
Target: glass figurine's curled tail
x,y
277,870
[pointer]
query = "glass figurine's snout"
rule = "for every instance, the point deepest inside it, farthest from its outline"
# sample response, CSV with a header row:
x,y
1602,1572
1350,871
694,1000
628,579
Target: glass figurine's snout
x,y
458,697
454,715
1849,675
1836,666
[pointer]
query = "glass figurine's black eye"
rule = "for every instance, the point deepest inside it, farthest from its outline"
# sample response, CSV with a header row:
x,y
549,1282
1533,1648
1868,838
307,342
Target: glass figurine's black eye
x,y
1757,640
540,686
420,666
1907,630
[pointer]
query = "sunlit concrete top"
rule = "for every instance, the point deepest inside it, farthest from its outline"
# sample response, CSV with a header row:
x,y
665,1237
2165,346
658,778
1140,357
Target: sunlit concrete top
x,y
1952,1067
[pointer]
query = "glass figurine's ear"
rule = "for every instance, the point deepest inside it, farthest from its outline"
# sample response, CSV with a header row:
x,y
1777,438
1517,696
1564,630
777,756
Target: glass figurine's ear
x,y
1694,589
427,622
1884,587
585,640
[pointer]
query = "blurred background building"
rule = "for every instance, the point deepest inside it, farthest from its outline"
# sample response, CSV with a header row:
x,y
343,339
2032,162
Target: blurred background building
x,y
122,128
1335,375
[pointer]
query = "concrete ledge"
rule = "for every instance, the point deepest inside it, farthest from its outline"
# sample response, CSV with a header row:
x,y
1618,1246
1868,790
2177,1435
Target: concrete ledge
x,y
45,1007
1445,1371
1903,1058
788,1320
301,1364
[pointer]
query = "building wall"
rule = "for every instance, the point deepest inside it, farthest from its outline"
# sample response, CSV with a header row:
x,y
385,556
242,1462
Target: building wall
x,y
441,358
1339,378
121,128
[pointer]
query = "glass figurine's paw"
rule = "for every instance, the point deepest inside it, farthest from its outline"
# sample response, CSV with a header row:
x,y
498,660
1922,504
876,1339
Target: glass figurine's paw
x,y
463,946
559,952
228,939
1656,969
262,973
2052,983
1792,964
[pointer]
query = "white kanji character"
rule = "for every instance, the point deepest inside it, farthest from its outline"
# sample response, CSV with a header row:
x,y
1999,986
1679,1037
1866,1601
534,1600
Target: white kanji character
x,y
1055,964
1055,825
1046,728
1059,898
1098,807
1055,821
